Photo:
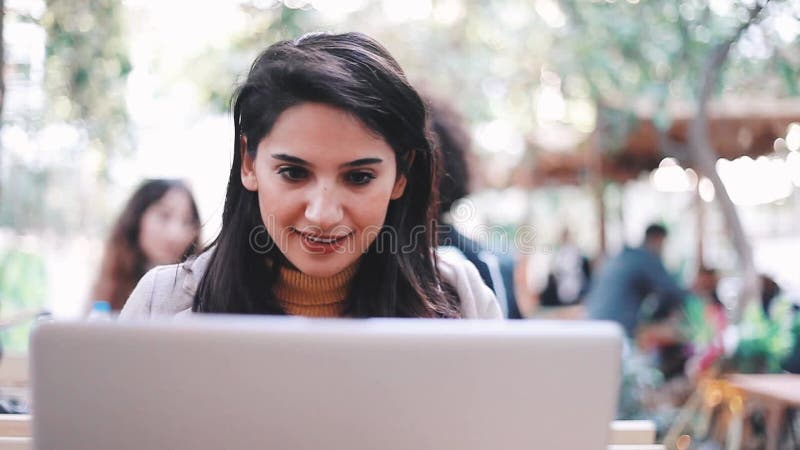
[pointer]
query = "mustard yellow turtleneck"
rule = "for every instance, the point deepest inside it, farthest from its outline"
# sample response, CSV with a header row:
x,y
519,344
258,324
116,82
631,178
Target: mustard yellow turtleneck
x,y
304,295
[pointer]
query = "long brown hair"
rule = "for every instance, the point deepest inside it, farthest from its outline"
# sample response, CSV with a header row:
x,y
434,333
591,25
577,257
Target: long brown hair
x,y
124,263
397,276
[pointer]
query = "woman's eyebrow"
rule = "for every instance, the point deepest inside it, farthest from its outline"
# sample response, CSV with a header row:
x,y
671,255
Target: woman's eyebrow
x,y
290,159
302,162
362,162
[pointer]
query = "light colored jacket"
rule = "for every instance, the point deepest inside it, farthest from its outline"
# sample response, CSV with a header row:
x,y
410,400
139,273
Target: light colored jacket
x,y
169,290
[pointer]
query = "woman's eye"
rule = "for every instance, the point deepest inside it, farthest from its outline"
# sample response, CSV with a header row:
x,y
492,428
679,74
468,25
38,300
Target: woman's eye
x,y
293,173
360,178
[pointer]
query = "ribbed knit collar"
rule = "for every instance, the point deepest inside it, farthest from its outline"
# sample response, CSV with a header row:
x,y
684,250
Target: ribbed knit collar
x,y
302,294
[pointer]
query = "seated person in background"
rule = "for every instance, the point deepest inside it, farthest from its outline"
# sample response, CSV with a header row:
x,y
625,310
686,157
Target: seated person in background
x,y
626,280
705,285
705,322
570,273
778,308
770,291
769,332
331,201
531,279
159,225
791,363
704,288
453,143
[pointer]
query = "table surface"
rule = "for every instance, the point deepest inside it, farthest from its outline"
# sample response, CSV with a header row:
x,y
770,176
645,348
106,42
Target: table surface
x,y
784,388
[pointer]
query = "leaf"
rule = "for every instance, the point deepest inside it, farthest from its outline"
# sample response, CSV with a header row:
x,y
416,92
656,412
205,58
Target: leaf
x,y
788,76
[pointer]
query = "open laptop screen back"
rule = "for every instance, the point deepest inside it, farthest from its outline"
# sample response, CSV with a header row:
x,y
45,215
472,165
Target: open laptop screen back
x,y
246,383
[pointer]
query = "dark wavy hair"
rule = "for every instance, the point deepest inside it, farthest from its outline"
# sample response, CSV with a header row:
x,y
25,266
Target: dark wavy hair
x,y
356,74
453,143
123,262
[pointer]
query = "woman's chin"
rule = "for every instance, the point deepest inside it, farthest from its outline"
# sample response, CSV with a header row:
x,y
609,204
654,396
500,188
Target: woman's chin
x,y
321,269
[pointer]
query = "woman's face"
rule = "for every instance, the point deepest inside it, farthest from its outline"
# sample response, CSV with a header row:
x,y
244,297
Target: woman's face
x,y
167,228
324,182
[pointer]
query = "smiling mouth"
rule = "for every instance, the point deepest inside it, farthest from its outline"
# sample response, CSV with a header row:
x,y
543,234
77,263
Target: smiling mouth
x,y
322,239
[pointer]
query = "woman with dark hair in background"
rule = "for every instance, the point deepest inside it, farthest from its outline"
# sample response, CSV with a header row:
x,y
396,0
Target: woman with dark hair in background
x,y
331,202
452,141
159,225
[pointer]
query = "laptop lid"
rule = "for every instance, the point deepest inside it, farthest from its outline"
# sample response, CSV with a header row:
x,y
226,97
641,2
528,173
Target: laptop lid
x,y
241,383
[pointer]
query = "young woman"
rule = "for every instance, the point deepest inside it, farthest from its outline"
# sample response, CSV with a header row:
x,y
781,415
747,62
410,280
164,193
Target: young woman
x,y
331,199
159,225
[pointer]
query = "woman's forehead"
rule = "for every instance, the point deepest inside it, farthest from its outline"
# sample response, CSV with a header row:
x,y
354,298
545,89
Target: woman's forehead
x,y
174,198
323,135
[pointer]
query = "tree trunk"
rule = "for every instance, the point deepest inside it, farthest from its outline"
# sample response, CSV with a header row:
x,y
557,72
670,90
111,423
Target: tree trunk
x,y
700,210
704,157
596,181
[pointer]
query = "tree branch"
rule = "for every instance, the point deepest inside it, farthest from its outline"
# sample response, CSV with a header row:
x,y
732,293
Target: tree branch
x,y
714,63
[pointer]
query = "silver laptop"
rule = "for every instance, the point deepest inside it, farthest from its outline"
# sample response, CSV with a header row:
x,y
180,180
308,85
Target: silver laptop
x,y
241,383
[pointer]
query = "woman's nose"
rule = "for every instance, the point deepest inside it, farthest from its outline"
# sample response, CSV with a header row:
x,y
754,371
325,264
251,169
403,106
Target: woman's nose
x,y
177,233
324,208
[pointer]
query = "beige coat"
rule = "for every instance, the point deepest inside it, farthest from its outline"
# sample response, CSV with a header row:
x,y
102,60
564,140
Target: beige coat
x,y
169,290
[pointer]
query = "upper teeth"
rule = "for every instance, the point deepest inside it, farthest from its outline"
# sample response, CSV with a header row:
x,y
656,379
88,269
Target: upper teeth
x,y
321,240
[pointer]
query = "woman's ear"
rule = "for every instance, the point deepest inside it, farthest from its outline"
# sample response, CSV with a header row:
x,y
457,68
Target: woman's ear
x,y
249,180
399,187
402,180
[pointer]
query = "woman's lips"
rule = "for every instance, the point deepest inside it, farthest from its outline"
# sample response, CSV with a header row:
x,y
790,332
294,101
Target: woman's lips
x,y
321,244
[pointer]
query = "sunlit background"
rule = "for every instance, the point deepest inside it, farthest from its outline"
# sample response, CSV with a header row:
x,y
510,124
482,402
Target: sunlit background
x,y
565,101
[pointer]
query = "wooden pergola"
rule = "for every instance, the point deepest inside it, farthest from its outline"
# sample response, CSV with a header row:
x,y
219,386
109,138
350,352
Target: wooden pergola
x,y
737,127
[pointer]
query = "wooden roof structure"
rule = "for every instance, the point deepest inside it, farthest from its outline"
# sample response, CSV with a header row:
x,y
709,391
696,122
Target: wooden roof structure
x,y
737,127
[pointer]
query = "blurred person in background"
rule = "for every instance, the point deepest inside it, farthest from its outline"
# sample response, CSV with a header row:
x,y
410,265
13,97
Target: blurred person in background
x,y
791,363
631,277
531,279
159,225
570,273
705,320
770,291
704,288
453,143
777,308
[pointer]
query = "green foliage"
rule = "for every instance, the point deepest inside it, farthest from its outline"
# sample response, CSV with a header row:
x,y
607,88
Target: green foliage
x,y
488,60
766,340
22,288
630,50
86,71
81,127
789,75
21,274
223,66
22,197
616,125
644,53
